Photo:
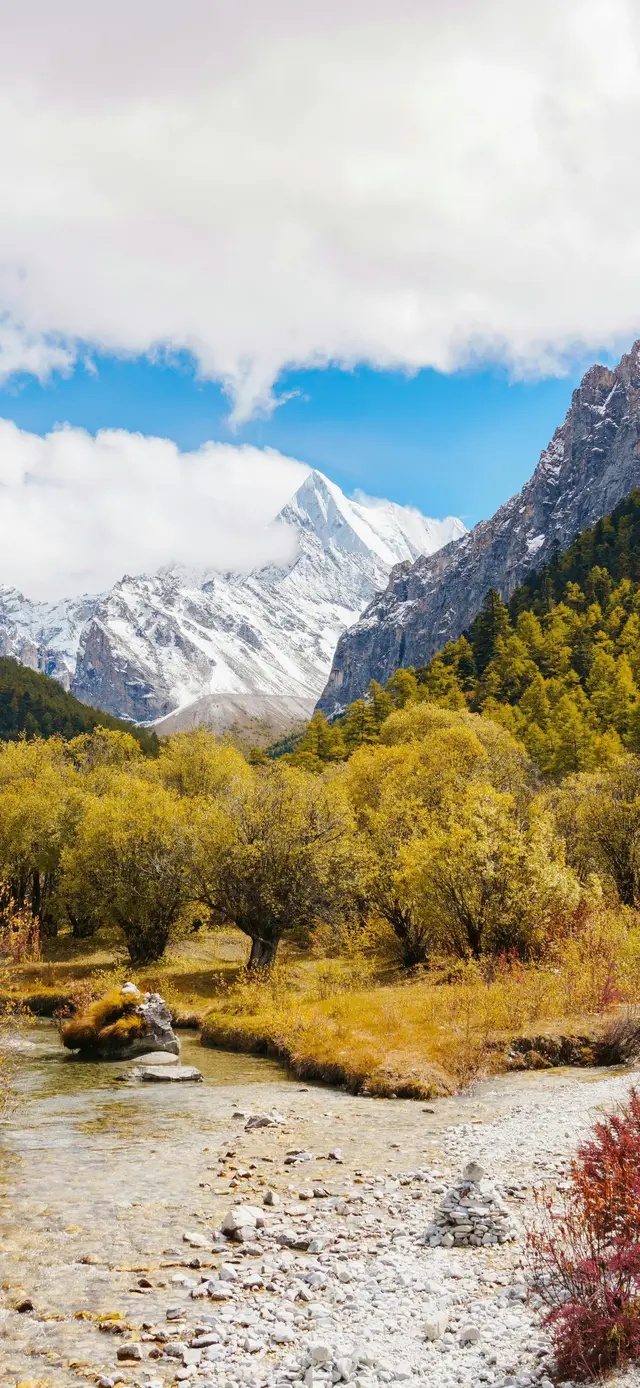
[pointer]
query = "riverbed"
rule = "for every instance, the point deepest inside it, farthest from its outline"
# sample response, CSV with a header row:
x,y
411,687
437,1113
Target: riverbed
x,y
112,1197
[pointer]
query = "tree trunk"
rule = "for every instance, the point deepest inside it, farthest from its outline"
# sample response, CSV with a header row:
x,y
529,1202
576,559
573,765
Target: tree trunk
x,y
146,944
263,953
415,949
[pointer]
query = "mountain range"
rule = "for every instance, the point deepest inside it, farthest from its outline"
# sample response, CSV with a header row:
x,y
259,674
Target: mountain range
x,y
591,464
177,648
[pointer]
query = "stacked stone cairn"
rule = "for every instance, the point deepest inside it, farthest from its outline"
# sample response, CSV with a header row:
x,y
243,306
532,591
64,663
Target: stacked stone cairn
x,y
472,1213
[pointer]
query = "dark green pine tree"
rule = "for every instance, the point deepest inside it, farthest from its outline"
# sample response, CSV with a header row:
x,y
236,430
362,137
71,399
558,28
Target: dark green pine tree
x,y
491,622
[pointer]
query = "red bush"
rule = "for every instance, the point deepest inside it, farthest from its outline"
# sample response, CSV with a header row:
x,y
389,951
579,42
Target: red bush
x,y
586,1255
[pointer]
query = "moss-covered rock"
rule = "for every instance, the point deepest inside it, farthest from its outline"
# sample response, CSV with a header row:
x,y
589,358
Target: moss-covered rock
x,y
121,1025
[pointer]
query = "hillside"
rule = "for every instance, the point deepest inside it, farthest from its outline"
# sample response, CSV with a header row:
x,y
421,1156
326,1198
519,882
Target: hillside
x,y
590,465
559,666
38,706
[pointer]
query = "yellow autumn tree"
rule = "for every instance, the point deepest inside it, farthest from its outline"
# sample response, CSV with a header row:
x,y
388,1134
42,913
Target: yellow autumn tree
x,y
129,865
487,881
275,857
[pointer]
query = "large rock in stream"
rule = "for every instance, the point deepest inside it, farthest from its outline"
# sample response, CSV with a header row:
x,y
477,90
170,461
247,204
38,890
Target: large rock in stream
x,y
162,1074
121,1026
158,1034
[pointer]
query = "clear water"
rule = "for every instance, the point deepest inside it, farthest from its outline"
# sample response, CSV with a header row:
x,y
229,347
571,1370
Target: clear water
x,y
92,1168
99,1180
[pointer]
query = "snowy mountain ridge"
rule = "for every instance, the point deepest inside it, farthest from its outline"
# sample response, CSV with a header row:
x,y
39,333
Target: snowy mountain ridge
x,y
590,464
153,644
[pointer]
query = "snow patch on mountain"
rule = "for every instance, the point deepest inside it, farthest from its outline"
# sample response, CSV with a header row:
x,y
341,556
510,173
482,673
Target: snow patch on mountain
x,y
153,644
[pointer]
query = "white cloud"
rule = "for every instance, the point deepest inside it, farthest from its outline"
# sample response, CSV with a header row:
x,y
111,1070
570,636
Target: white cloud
x,y
31,353
264,183
76,512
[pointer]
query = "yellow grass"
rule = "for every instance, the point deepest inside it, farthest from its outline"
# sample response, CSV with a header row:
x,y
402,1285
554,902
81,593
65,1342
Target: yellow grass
x,y
355,1020
73,973
431,1036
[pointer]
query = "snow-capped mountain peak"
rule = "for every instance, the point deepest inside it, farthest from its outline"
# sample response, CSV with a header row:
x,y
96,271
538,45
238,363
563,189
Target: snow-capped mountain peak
x,y
154,644
366,524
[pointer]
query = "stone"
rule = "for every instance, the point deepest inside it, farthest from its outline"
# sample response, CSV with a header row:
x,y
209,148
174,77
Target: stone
x,y
162,1074
264,1120
161,1058
271,1198
158,1033
473,1172
435,1324
283,1334
469,1334
241,1221
130,1350
320,1353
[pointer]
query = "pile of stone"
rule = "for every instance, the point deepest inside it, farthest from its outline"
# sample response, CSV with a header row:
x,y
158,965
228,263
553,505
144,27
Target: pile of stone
x,y
472,1213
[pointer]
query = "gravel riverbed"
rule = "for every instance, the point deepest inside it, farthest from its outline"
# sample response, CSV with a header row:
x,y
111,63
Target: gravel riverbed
x,y
332,1269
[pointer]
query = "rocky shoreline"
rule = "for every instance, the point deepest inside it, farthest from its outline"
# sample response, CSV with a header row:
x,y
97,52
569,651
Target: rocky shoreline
x,y
307,1255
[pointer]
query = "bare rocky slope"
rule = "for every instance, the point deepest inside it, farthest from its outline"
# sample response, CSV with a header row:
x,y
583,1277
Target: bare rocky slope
x,y
592,462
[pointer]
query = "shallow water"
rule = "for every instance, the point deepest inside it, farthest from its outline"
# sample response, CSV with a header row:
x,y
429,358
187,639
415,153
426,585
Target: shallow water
x,y
92,1168
99,1180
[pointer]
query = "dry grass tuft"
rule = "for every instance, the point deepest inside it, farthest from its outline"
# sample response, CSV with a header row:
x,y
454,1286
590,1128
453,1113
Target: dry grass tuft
x,y
108,1022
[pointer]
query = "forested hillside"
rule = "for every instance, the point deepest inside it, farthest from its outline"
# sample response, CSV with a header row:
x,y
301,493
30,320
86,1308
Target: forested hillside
x,y
559,666
37,706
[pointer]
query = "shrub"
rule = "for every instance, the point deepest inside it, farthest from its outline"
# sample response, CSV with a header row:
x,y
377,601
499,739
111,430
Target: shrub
x,y
19,930
586,1254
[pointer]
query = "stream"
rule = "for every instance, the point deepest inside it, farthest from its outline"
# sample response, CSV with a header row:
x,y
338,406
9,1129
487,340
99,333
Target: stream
x,y
99,1181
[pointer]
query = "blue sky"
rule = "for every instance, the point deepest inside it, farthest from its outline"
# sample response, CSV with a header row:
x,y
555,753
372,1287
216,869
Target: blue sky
x,y
450,444
403,189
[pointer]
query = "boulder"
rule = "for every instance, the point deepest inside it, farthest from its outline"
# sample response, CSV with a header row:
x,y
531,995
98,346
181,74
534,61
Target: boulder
x,y
161,1058
241,1222
122,1025
162,1074
436,1323
158,1032
264,1120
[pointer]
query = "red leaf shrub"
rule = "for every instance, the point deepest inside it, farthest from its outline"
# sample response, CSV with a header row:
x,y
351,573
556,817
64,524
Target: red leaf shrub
x,y
586,1254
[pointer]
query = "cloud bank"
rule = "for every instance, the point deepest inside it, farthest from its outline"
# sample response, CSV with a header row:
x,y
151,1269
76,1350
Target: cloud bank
x,y
77,511
268,184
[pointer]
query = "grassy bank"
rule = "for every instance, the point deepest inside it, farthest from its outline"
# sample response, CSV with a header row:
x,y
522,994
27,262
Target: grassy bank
x,y
366,1025
72,972
432,1036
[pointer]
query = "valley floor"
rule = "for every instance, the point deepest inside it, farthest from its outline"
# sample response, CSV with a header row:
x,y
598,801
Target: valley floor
x,y
368,1027
112,1198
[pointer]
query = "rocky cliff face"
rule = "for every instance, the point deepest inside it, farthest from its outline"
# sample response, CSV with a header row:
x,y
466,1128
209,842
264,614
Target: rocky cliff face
x,y
156,643
592,462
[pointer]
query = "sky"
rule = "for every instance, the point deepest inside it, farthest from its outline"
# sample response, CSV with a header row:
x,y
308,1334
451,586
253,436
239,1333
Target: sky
x,y
379,239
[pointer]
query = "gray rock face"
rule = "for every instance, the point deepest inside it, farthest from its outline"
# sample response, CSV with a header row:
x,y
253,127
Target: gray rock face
x,y
592,462
159,1036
